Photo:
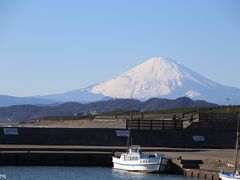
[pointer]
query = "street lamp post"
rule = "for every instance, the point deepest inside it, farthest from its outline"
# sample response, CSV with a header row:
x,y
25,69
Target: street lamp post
x,y
228,100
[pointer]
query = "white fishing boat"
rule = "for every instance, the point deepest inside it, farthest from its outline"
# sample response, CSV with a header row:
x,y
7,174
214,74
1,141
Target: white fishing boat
x,y
136,160
235,174
229,176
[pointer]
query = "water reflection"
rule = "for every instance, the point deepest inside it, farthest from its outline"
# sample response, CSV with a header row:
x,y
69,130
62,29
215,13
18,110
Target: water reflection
x,y
83,173
120,174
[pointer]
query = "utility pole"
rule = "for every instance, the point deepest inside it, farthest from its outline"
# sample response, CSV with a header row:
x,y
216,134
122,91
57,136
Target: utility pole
x,y
237,145
227,104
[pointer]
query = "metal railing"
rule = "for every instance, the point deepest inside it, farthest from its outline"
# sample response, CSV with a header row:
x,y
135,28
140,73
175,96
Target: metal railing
x,y
140,124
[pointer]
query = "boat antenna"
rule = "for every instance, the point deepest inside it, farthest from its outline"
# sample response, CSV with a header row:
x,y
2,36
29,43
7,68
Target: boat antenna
x,y
237,144
129,140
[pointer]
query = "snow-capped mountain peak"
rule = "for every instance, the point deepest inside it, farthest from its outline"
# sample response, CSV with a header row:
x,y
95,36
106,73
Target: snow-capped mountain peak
x,y
157,77
154,78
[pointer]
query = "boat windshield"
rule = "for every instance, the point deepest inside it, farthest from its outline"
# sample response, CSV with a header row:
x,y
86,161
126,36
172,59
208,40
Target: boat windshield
x,y
134,149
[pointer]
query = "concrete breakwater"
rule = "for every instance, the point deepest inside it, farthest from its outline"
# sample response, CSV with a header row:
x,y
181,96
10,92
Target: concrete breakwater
x,y
187,138
47,158
202,174
96,146
47,155
206,167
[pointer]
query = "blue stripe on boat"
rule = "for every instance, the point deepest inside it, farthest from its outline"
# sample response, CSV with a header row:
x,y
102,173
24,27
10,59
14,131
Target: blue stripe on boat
x,y
137,164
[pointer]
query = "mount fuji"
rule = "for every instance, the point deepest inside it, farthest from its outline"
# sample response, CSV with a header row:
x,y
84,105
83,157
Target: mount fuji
x,y
157,77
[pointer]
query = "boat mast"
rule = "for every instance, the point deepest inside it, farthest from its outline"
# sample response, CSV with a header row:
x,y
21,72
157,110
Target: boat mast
x,y
237,144
129,139
129,133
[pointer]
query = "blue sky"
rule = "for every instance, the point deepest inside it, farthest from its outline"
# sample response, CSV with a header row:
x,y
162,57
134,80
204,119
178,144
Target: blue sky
x,y
53,46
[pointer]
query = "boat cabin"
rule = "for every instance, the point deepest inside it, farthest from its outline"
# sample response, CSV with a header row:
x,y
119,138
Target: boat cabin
x,y
134,149
134,154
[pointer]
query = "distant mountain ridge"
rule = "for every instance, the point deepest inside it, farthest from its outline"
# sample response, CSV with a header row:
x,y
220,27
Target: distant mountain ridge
x,y
79,95
27,112
11,100
156,78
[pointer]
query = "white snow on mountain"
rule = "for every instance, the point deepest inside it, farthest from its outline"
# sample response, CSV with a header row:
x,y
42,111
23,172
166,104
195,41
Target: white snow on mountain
x,y
192,94
157,77
154,78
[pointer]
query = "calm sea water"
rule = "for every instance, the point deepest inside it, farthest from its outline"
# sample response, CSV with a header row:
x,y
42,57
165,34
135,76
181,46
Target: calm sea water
x,y
74,173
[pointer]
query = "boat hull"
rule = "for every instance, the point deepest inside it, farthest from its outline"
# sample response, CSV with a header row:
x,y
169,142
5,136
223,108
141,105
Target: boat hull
x,y
228,176
138,166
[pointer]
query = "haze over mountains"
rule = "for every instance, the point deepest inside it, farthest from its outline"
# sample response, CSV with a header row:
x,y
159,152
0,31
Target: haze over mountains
x,y
11,100
27,112
155,78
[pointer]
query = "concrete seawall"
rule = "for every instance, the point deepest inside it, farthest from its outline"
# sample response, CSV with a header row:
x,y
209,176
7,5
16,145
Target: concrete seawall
x,y
55,159
23,146
109,137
